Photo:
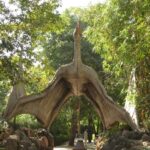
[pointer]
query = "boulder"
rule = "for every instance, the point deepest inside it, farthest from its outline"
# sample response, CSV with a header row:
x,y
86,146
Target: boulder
x,y
146,137
11,144
132,134
79,145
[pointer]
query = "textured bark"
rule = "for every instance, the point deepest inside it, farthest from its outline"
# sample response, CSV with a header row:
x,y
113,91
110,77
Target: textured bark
x,y
74,128
78,115
131,98
17,92
72,79
143,90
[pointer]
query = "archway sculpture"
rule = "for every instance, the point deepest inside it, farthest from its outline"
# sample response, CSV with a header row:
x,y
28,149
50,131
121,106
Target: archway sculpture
x,y
75,79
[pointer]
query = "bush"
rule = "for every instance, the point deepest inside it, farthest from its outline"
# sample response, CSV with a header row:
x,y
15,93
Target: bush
x,y
60,139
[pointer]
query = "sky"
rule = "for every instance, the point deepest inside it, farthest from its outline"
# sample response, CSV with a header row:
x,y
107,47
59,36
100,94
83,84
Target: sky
x,y
67,4
64,5
78,3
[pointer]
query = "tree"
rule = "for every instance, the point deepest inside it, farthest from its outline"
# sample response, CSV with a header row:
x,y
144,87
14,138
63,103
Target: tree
x,y
119,30
21,29
23,25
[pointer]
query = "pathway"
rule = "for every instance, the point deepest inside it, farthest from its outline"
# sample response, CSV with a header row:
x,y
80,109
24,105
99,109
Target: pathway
x,y
90,146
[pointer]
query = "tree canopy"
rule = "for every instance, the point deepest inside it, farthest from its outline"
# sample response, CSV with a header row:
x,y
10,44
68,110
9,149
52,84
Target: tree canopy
x,y
35,40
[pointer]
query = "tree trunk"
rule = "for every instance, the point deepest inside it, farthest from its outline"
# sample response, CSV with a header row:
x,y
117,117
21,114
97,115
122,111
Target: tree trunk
x,y
143,90
78,115
73,128
131,98
18,91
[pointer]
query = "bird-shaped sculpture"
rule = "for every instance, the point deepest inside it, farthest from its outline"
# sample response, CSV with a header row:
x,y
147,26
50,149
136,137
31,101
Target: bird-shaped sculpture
x,y
72,79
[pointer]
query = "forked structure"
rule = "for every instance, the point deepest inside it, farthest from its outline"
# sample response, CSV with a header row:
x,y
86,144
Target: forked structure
x,y
73,79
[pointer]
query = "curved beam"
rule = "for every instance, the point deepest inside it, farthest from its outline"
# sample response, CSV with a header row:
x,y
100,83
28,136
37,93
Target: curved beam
x,y
72,79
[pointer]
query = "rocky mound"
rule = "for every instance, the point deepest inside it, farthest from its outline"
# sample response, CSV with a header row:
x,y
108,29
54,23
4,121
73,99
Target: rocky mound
x,y
126,140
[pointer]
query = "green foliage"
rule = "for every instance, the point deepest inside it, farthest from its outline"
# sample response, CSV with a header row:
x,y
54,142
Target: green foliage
x,y
21,29
4,90
146,124
26,120
22,25
61,126
38,79
58,49
120,32
35,40
60,139
117,32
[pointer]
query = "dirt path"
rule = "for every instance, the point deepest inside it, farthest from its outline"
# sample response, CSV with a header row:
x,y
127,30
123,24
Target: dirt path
x,y
90,146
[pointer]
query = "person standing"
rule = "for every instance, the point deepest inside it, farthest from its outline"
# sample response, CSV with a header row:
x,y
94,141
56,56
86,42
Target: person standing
x,y
89,134
85,137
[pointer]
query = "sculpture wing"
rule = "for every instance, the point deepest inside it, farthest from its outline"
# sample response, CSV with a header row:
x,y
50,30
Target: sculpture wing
x,y
43,105
109,111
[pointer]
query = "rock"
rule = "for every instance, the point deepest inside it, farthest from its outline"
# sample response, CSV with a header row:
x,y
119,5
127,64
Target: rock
x,y
100,142
136,148
24,145
107,146
11,144
50,141
128,140
145,144
126,133
146,137
118,147
123,142
32,147
79,145
132,134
